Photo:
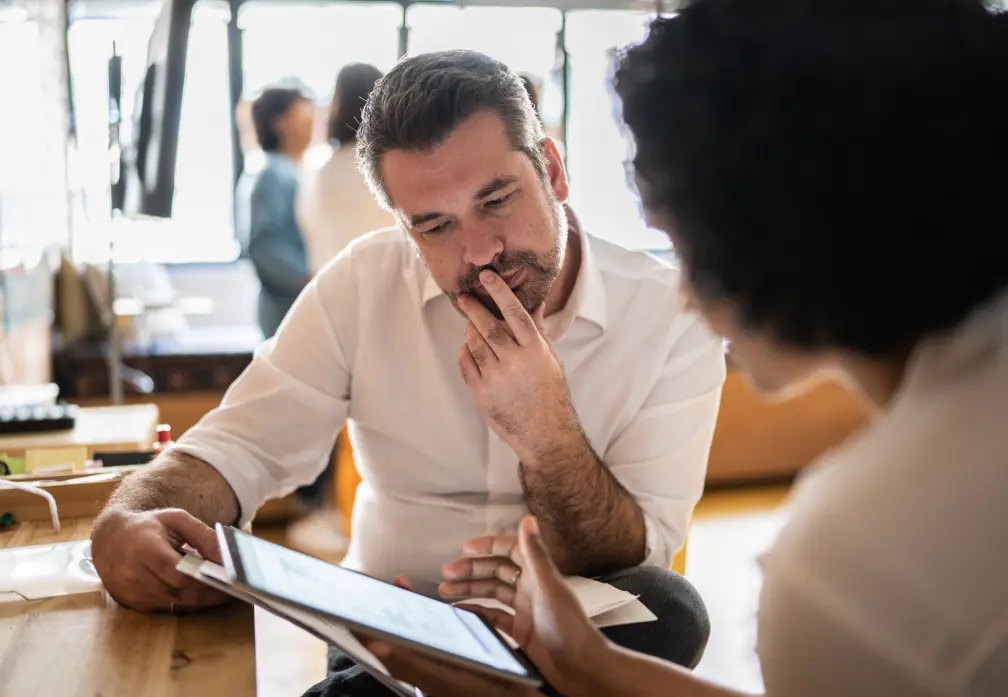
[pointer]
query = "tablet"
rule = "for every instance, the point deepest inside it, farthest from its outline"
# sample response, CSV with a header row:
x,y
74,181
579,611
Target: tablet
x,y
372,607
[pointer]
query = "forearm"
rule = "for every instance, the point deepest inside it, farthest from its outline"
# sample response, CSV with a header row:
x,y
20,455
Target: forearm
x,y
590,523
175,480
624,673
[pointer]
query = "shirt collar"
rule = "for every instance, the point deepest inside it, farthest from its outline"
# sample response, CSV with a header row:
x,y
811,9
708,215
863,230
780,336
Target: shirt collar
x,y
588,296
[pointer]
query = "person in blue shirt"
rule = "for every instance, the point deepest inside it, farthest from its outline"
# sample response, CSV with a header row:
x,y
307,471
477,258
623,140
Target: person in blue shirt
x,y
284,120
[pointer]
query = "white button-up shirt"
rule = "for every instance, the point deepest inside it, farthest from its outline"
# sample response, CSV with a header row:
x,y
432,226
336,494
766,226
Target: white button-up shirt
x,y
373,339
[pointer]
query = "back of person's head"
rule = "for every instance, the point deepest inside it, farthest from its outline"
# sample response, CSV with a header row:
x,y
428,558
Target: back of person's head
x,y
353,85
423,99
834,168
271,105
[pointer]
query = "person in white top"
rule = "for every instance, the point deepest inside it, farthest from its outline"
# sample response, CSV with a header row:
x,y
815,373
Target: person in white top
x,y
829,175
334,205
491,358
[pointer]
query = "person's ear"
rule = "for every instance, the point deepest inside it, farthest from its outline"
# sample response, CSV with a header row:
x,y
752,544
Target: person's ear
x,y
555,171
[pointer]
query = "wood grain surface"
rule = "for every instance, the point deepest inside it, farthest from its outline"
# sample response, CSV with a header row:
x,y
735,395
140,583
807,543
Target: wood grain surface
x,y
88,646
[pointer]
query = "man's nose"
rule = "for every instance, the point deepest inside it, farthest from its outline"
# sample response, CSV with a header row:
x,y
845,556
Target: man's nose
x,y
482,245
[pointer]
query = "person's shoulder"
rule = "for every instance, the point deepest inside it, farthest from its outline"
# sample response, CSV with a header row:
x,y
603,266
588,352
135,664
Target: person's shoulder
x,y
639,286
380,255
633,266
274,176
917,492
388,243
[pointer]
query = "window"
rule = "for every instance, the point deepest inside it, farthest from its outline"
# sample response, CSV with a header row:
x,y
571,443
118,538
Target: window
x,y
524,38
33,211
312,42
201,228
90,42
598,149
204,170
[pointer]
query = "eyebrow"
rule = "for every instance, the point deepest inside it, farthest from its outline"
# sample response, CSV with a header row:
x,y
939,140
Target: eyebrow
x,y
491,188
495,186
425,218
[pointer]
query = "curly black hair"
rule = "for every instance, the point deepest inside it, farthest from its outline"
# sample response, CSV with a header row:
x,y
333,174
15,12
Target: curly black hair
x,y
836,169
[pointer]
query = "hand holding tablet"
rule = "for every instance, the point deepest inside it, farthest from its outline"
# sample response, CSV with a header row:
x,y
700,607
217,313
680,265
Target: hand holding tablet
x,y
372,608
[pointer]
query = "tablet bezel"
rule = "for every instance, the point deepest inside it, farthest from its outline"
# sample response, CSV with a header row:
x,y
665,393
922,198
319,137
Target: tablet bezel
x,y
233,566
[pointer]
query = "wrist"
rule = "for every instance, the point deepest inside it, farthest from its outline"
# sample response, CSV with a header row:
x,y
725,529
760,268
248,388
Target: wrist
x,y
561,439
605,676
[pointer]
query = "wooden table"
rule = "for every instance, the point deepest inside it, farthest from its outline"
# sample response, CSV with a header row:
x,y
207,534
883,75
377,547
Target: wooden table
x,y
87,646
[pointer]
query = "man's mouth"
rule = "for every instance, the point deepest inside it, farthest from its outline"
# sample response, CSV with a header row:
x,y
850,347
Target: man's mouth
x,y
512,278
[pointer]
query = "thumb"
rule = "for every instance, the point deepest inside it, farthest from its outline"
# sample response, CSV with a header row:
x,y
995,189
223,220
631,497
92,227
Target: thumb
x,y
537,558
193,532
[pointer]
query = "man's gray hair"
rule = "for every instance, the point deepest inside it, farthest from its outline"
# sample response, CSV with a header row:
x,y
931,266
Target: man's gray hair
x,y
423,99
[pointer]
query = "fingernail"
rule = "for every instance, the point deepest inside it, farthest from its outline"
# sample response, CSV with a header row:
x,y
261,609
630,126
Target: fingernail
x,y
487,276
533,525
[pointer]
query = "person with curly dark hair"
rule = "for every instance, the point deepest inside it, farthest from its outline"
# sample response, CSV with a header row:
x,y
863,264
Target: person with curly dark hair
x,y
832,176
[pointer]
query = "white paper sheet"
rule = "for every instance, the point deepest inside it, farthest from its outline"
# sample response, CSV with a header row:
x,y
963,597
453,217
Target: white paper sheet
x,y
607,605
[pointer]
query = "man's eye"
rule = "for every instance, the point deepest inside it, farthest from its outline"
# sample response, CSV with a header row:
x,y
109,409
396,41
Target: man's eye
x,y
498,202
436,229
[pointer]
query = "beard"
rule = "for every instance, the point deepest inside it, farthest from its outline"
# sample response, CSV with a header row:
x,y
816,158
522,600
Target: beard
x,y
540,271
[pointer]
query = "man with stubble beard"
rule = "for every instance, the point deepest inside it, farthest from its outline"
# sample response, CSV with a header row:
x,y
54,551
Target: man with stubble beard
x,y
491,358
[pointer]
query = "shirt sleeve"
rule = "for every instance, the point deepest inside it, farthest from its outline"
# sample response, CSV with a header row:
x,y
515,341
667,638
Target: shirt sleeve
x,y
275,245
661,455
276,426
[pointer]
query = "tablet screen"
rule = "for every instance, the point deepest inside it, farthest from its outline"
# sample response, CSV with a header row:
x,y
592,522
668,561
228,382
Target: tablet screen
x,y
367,602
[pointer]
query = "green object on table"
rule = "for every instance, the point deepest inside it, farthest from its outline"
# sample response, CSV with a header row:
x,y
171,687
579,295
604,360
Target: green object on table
x,y
7,520
14,464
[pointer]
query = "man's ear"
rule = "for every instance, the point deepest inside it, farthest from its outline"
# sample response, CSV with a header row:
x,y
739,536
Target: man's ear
x,y
556,173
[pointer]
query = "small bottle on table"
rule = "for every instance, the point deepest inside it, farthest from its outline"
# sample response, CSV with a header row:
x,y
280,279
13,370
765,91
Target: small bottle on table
x,y
164,439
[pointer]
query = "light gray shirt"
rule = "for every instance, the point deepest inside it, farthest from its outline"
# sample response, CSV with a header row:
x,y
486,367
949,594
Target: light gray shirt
x,y
891,578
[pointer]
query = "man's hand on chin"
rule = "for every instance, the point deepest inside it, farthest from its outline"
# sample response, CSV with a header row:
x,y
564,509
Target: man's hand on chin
x,y
515,374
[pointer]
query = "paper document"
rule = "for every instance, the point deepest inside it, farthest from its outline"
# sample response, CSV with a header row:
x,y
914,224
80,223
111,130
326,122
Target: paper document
x,y
606,605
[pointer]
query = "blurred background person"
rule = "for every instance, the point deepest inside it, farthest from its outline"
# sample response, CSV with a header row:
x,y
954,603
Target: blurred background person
x,y
334,204
284,118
